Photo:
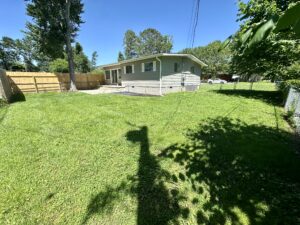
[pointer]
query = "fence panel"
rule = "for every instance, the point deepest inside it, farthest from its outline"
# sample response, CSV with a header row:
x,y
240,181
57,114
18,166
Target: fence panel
x,y
5,89
35,82
293,104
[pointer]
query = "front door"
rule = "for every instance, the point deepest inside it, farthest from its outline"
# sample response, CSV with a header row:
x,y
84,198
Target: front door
x,y
114,75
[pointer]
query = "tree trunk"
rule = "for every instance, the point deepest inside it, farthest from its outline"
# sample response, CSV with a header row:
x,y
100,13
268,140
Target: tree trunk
x,y
69,48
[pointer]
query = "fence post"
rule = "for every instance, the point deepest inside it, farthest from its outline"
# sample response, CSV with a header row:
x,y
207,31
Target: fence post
x,y
35,84
235,84
60,86
251,86
5,87
87,81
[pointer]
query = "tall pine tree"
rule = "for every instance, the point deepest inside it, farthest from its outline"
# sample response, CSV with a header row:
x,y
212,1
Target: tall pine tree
x,y
54,26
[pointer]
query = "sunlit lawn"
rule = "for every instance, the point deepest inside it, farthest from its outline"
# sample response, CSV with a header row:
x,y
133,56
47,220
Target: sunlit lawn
x,y
216,156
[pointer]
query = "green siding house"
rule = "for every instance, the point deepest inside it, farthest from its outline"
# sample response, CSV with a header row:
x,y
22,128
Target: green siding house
x,y
156,74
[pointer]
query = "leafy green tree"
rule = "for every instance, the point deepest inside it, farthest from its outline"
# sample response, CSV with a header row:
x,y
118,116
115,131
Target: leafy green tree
x,y
97,71
8,53
284,17
121,57
217,61
59,66
43,64
258,47
78,48
17,66
293,71
94,60
151,42
21,52
81,61
27,50
130,44
54,26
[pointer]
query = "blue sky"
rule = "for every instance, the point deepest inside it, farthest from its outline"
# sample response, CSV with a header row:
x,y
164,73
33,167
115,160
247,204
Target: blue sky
x,y
106,21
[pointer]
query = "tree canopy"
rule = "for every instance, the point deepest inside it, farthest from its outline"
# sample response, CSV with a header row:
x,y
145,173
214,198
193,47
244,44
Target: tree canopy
x,y
217,61
8,53
148,42
59,66
81,61
94,60
258,47
121,57
49,24
54,26
152,42
130,44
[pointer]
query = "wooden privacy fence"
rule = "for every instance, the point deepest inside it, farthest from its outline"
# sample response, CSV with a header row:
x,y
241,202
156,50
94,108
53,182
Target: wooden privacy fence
x,y
31,82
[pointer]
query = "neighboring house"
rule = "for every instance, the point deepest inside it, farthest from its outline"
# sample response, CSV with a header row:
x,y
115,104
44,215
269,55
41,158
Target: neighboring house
x,y
156,74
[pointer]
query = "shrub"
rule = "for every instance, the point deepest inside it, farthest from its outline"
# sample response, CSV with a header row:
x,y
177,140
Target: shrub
x,y
2,103
97,71
59,66
286,85
17,67
293,71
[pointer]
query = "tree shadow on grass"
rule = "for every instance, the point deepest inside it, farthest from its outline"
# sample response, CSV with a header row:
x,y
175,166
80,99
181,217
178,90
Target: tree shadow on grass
x,y
270,97
17,94
249,172
4,110
104,201
156,203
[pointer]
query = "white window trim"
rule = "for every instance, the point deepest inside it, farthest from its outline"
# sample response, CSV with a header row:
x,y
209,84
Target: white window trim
x,y
106,74
143,67
153,67
132,66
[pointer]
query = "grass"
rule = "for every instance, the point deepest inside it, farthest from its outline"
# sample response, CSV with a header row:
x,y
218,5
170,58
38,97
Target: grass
x,y
210,157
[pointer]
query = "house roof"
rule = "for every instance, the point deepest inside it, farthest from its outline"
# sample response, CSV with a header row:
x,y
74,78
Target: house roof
x,y
191,57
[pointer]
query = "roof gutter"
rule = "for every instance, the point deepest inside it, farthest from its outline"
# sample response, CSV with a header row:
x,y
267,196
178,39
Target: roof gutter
x,y
160,72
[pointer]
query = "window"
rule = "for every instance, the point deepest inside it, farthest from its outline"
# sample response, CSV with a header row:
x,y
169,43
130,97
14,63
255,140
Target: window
x,y
149,67
129,69
107,75
176,67
119,72
193,69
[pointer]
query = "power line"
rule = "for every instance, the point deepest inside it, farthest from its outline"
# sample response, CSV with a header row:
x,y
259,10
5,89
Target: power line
x,y
191,25
195,22
192,33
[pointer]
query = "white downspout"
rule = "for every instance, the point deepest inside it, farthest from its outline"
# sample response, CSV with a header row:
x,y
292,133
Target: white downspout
x,y
160,72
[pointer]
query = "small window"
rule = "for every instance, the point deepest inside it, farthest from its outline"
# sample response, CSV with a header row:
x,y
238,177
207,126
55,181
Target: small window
x,y
176,67
107,75
149,67
193,69
129,69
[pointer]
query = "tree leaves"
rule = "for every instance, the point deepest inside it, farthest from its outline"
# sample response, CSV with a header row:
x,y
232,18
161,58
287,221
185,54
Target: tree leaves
x,y
226,43
289,19
261,32
217,61
149,42
246,36
266,45
48,27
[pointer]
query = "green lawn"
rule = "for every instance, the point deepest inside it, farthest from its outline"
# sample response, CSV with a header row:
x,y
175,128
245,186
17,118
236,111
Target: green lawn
x,y
209,157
